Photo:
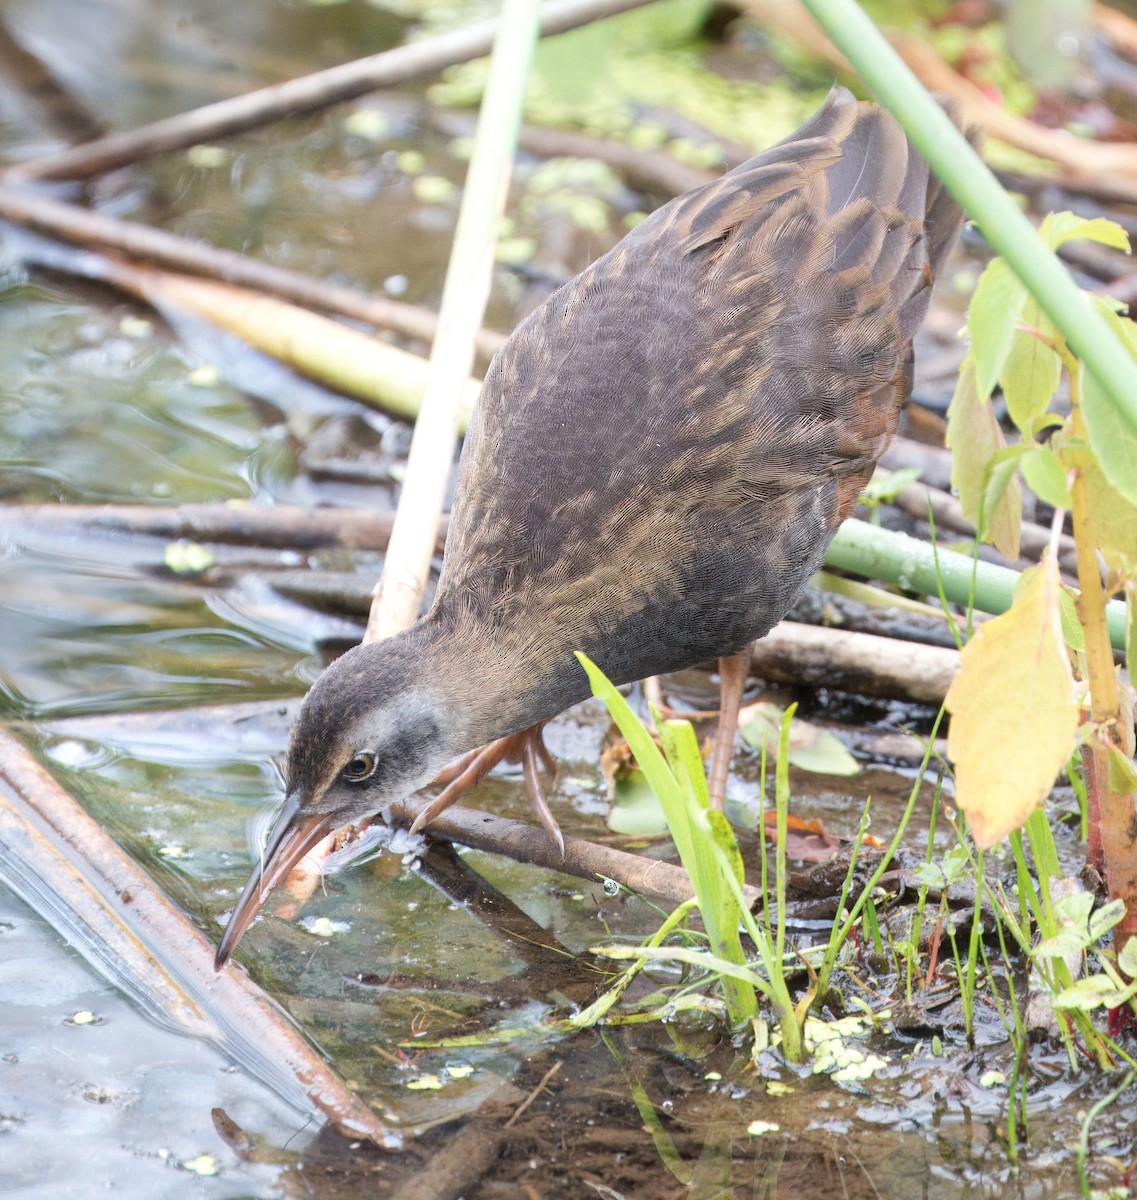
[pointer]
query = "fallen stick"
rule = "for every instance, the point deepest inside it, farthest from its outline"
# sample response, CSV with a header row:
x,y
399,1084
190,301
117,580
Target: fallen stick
x,y
73,874
57,108
336,356
297,97
81,227
278,526
854,662
1119,29
647,170
531,844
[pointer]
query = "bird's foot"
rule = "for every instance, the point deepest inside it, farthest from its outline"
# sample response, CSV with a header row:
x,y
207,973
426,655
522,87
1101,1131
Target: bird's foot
x,y
464,774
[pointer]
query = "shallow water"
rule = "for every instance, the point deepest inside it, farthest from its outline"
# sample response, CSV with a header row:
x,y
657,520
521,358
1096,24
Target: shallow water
x,y
121,675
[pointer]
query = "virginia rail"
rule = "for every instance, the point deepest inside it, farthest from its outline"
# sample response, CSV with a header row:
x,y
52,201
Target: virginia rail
x,y
659,458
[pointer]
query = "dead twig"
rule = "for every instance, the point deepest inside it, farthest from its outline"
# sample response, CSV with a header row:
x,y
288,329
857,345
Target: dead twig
x,y
531,844
933,462
80,227
297,97
520,1110
279,526
465,293
854,662
646,170
26,74
1118,28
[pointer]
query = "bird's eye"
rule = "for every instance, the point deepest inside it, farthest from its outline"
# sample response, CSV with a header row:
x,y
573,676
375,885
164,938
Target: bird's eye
x,y
359,768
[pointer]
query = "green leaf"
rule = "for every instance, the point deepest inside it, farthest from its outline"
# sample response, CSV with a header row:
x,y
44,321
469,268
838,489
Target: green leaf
x,y
727,843
1113,439
1065,942
679,781
1046,477
1113,518
1102,920
1122,772
1112,312
1127,959
1062,227
636,810
1072,632
1095,991
885,486
1032,369
973,436
810,748
681,747
991,320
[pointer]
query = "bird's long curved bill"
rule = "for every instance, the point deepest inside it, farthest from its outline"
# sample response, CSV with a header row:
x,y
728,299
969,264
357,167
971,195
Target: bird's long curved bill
x,y
292,837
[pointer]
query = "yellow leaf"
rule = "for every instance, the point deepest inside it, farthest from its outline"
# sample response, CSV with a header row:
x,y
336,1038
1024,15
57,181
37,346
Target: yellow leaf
x,y
1112,517
1014,716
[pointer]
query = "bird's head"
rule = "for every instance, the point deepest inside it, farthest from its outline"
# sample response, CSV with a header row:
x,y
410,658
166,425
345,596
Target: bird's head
x,y
368,734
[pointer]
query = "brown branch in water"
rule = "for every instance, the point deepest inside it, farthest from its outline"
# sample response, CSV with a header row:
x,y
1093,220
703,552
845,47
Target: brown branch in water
x,y
646,170
59,109
79,226
278,526
297,97
456,1167
530,844
70,871
854,662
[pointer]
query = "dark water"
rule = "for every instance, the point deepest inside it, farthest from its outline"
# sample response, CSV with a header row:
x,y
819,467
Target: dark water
x,y
101,402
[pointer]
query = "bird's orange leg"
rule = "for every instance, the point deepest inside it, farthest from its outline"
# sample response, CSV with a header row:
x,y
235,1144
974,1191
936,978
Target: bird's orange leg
x,y
533,747
453,770
733,672
466,772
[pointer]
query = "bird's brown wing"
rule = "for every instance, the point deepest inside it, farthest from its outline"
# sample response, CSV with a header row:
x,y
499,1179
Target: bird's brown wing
x,y
663,450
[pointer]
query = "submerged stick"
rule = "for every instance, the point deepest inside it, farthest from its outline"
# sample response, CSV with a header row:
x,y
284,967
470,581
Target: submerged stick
x,y
276,526
81,227
334,355
531,844
646,170
58,859
304,95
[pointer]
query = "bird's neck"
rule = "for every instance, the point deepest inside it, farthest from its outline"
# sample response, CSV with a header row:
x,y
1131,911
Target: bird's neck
x,y
495,682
